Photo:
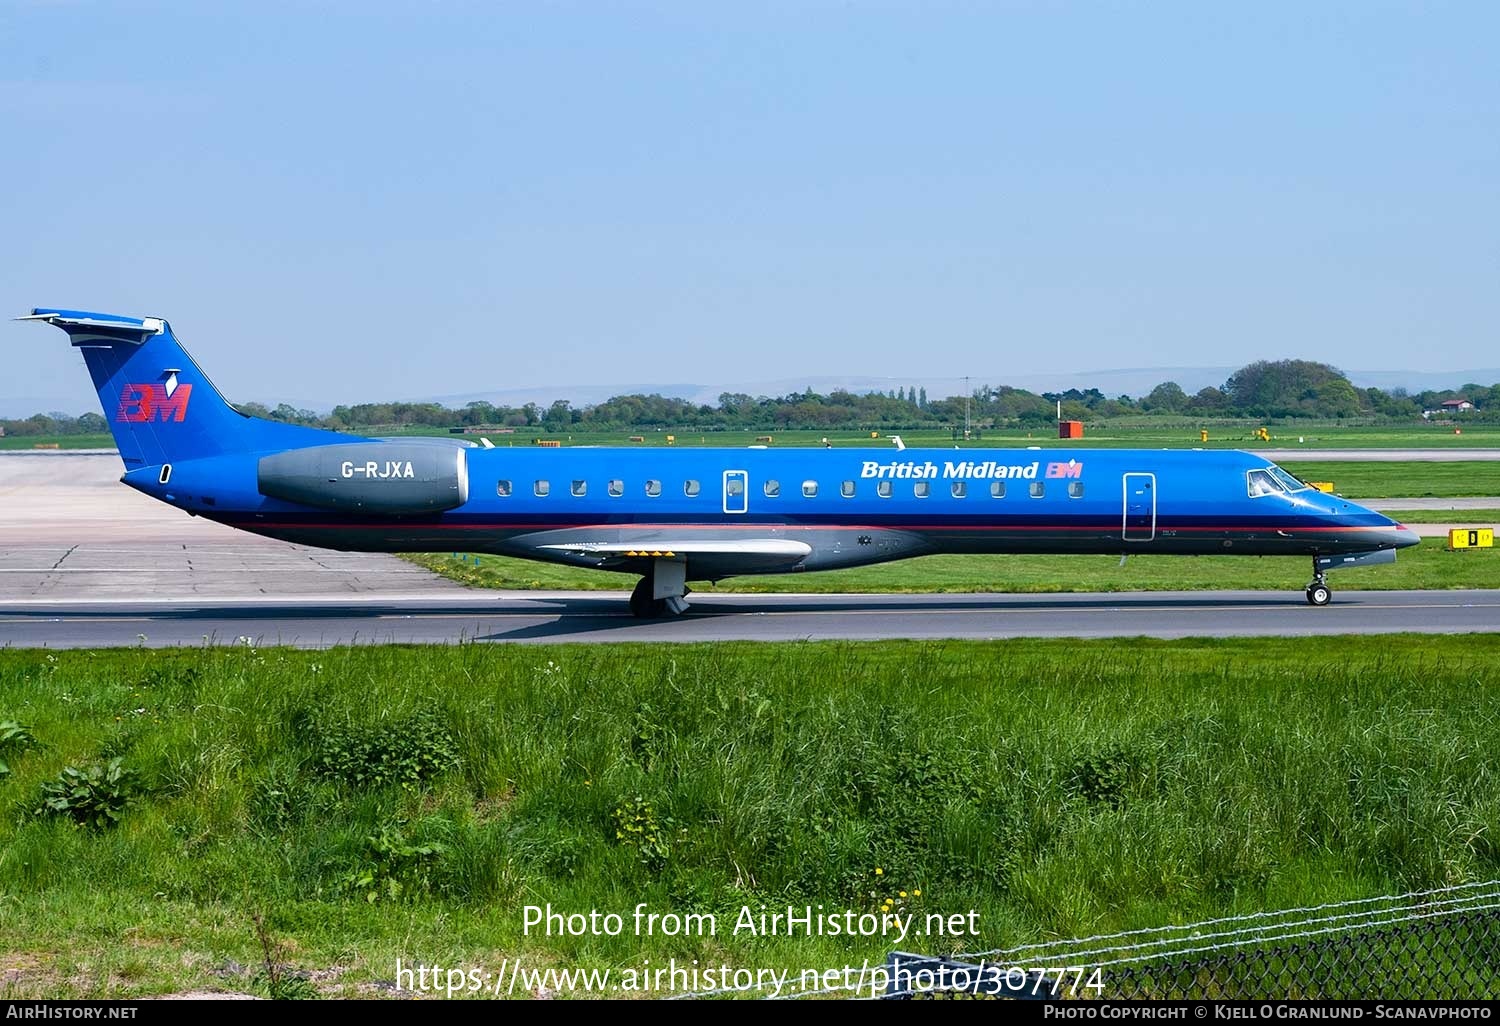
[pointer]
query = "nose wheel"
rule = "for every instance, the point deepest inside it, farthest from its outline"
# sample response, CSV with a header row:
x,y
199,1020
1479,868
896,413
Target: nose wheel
x,y
1318,592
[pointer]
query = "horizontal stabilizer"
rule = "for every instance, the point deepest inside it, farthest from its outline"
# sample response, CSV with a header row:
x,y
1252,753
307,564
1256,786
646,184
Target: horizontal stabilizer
x,y
81,322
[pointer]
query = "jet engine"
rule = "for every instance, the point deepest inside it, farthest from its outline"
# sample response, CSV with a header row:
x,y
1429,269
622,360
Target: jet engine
x,y
379,478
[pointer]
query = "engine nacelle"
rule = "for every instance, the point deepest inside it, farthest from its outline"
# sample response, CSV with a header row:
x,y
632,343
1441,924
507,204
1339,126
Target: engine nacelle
x,y
372,478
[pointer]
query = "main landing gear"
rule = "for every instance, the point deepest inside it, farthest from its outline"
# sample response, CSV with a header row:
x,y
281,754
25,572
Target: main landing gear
x,y
661,591
1318,592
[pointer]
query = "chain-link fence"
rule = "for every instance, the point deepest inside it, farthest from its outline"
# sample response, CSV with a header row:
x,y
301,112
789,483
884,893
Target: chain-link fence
x,y
1452,956
1441,944
1436,945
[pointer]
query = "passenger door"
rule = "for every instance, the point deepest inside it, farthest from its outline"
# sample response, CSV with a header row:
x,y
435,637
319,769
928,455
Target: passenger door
x,y
736,491
1138,523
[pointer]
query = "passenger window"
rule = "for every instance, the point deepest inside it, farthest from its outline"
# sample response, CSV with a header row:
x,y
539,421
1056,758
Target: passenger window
x,y
502,489
617,487
921,489
883,489
542,487
580,488
1075,489
997,489
810,489
847,489
1262,483
653,488
959,489
691,487
734,486
1038,489
772,489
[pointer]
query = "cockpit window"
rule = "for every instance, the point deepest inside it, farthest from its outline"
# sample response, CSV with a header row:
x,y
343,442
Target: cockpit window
x,y
1262,482
1288,481
1272,480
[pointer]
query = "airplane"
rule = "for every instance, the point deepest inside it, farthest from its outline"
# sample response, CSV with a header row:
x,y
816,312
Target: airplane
x,y
679,515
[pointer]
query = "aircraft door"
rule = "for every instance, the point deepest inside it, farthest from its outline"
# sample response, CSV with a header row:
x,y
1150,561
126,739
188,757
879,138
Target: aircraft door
x,y
1139,520
736,491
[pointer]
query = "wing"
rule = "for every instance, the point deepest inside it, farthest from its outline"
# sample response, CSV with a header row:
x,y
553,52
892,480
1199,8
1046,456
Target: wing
x,y
737,555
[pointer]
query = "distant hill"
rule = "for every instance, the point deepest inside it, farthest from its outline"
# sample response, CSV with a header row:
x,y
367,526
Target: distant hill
x,y
1421,381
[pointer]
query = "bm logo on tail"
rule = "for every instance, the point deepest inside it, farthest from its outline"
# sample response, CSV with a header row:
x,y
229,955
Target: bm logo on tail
x,y
140,404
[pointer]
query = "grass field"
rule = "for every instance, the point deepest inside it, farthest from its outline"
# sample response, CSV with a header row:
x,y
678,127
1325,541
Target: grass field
x,y
1148,434
1484,517
1359,479
1180,435
1429,565
57,441
377,803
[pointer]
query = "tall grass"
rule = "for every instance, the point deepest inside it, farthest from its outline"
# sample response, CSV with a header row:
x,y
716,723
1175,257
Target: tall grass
x,y
380,801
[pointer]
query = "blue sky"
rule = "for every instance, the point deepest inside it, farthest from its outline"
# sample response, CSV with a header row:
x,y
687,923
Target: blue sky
x,y
364,200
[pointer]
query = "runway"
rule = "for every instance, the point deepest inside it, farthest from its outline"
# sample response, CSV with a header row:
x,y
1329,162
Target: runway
x,y
70,530
1397,505
85,561
321,622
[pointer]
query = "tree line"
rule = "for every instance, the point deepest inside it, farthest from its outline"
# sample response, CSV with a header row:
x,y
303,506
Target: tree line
x,y
1267,390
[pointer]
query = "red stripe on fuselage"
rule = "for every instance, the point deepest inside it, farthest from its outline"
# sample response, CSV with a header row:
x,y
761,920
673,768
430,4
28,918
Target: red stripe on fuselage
x,y
783,527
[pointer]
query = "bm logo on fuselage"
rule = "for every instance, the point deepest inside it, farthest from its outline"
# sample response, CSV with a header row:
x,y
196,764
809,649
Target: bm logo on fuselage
x,y
380,471
140,404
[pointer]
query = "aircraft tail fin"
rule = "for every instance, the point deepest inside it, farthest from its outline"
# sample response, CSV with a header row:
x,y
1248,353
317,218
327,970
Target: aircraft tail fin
x,y
160,405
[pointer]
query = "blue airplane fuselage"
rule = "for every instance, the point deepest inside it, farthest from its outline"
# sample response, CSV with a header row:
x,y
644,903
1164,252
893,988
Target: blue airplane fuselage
x,y
852,506
678,514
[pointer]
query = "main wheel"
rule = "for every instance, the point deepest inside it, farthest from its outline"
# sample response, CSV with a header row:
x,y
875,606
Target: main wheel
x,y
642,604
1318,594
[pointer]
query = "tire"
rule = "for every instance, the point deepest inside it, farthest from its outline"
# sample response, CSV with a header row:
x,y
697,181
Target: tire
x,y
642,605
1319,595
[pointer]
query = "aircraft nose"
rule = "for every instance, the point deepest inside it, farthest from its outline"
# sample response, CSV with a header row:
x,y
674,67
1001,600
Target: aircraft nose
x,y
1403,537
1393,534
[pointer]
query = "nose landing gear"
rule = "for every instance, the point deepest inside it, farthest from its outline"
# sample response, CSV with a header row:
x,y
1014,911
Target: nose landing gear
x,y
1318,592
